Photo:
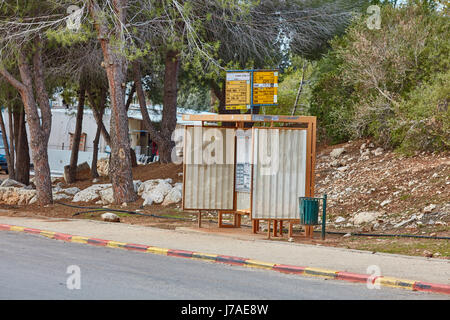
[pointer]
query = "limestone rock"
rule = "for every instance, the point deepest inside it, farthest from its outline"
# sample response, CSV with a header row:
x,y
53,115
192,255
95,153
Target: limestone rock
x,y
147,186
136,185
71,191
174,196
337,152
385,202
429,208
339,220
107,195
12,183
91,193
156,189
60,196
156,195
110,217
378,152
148,201
366,217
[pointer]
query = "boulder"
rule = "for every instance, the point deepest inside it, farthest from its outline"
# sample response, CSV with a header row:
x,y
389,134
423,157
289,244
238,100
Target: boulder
x,y
137,184
148,201
339,219
164,187
33,200
366,217
156,195
337,152
60,196
179,186
146,186
71,191
14,196
378,152
12,183
401,224
174,196
107,195
91,193
385,202
161,186
110,217
429,208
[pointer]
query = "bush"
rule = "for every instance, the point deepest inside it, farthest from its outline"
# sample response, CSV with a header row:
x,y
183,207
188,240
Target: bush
x,y
424,120
388,84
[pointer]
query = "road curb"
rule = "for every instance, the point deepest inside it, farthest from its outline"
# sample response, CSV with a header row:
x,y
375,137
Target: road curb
x,y
239,261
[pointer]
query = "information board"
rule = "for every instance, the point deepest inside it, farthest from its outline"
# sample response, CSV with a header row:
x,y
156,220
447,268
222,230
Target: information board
x,y
238,90
265,87
243,156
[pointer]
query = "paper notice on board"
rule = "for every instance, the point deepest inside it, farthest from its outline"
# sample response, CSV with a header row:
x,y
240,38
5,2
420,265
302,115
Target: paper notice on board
x,y
243,167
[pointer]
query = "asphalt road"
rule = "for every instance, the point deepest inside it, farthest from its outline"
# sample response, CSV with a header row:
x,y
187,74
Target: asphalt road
x,y
34,267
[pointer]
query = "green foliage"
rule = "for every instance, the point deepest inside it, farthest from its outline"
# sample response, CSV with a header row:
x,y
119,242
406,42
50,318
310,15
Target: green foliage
x,y
425,117
387,83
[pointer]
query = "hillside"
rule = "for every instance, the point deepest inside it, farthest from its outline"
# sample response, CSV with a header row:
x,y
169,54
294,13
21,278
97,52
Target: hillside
x,y
370,189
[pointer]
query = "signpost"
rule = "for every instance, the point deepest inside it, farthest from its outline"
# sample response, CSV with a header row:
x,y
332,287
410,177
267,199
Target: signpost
x,y
246,89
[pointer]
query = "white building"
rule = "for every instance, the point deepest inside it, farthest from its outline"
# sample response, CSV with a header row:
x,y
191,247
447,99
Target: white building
x,y
63,126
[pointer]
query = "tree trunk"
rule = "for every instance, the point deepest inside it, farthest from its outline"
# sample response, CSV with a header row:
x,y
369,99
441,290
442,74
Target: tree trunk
x,y
39,134
169,113
97,112
94,171
22,159
115,63
9,161
130,97
162,138
12,144
77,135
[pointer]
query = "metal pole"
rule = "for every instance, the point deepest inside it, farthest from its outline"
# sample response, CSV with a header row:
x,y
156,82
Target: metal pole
x,y
324,215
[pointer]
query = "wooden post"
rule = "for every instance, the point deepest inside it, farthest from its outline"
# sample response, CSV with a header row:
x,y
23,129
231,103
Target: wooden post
x,y
309,231
220,219
199,218
275,224
238,216
281,228
268,229
237,220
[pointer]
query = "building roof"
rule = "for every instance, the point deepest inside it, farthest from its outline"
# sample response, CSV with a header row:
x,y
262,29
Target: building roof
x,y
154,112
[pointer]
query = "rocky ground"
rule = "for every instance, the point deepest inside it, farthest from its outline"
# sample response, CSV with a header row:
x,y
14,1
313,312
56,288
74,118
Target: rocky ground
x,y
369,190
372,190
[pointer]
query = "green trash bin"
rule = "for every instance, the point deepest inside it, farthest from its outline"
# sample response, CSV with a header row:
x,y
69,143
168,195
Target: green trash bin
x,y
309,211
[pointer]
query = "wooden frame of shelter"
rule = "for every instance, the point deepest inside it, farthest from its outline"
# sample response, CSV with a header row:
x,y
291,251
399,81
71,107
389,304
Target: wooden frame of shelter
x,y
307,123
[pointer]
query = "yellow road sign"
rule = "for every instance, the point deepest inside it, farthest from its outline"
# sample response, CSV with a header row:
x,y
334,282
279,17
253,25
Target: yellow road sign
x,y
238,91
265,87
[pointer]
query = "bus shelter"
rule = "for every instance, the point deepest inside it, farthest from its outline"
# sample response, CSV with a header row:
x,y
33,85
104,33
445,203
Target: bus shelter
x,y
259,171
